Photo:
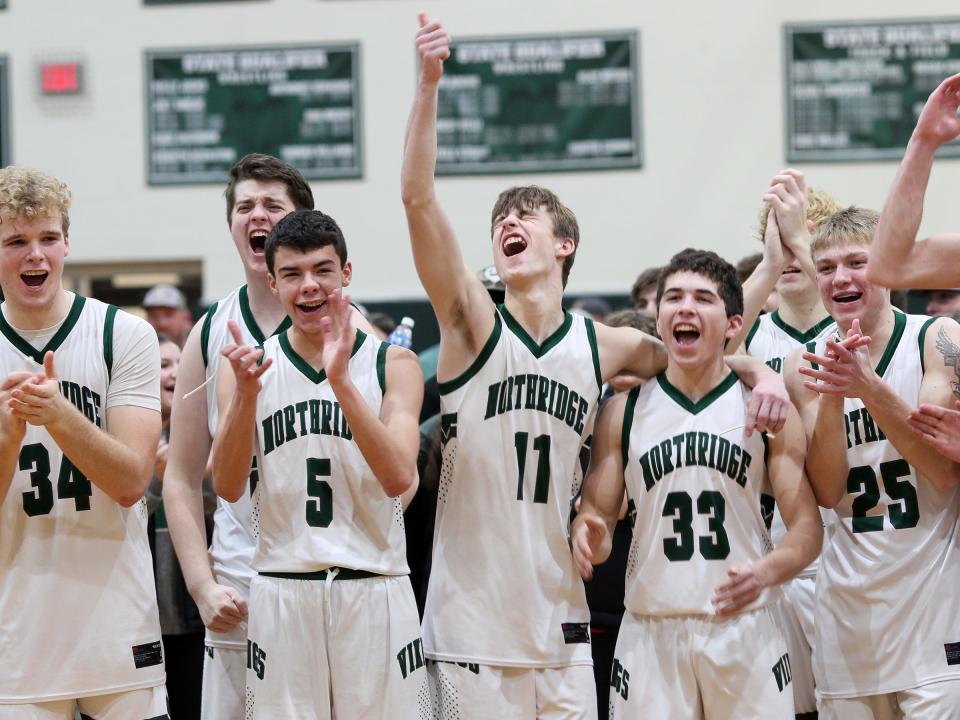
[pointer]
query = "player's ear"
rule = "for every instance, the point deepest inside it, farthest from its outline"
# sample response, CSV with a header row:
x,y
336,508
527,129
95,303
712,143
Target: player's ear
x,y
564,247
272,283
347,273
66,244
734,323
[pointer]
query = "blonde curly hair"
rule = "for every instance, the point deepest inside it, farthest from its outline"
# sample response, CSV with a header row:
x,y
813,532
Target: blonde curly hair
x,y
29,193
820,206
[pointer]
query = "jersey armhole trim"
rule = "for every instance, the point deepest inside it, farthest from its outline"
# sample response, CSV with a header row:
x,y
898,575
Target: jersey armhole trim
x,y
921,338
594,351
448,387
205,333
753,331
628,410
382,366
108,339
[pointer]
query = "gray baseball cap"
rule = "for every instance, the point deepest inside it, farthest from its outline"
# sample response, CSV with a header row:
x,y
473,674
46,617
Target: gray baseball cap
x,y
164,296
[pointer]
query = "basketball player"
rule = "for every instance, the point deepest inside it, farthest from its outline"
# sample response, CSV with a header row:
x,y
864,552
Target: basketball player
x,y
790,212
698,639
79,426
261,190
519,385
887,609
334,629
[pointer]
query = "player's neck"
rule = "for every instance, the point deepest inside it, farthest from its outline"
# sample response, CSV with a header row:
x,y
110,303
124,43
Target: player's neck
x,y
266,307
37,318
308,346
802,313
695,381
538,309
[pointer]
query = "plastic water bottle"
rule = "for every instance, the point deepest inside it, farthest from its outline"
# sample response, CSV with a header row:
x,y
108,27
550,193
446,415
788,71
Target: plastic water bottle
x,y
402,334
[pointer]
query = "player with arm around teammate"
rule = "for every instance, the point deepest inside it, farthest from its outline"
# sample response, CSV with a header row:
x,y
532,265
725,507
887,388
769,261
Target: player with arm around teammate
x,y
519,387
79,426
698,639
331,414
887,611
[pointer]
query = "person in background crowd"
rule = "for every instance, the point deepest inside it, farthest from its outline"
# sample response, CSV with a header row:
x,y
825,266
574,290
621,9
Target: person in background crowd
x,y
167,311
382,324
644,291
943,302
592,307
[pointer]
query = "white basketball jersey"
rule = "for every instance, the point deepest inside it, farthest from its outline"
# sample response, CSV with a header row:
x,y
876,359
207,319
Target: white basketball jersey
x,y
231,549
695,484
78,607
317,503
503,586
771,340
888,605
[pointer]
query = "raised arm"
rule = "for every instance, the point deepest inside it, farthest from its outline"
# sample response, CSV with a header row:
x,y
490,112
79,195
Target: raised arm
x,y
591,537
785,239
389,441
899,259
458,298
760,284
237,388
800,545
119,461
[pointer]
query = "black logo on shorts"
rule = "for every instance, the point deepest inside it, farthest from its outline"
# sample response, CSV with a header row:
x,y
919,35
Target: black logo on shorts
x,y
953,653
147,655
576,633
410,658
209,650
620,679
781,672
256,659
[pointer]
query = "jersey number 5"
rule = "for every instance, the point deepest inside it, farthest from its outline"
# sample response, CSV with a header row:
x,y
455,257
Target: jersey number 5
x,y
320,508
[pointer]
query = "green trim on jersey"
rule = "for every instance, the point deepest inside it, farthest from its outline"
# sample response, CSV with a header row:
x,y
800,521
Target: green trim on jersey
x,y
205,332
800,337
899,323
753,331
920,340
450,385
547,345
594,350
251,322
108,338
303,366
382,366
628,410
56,341
703,403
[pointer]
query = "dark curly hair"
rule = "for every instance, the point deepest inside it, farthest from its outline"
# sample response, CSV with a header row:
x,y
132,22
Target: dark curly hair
x,y
305,230
710,265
